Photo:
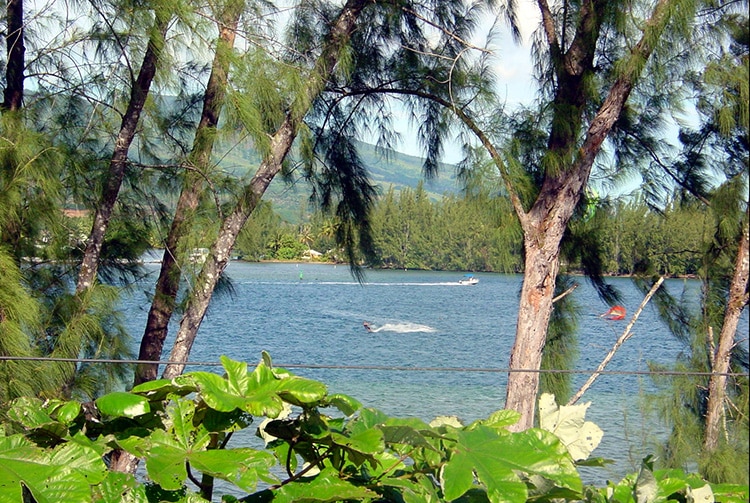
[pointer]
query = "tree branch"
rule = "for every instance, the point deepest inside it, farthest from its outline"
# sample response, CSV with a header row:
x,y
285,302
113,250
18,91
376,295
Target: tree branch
x,y
565,293
447,32
655,157
548,23
624,337
469,122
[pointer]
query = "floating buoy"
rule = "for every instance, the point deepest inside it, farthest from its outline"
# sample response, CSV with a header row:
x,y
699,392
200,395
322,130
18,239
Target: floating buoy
x,y
614,313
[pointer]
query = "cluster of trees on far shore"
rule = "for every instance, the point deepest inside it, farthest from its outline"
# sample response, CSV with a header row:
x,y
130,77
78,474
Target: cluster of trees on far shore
x,y
478,232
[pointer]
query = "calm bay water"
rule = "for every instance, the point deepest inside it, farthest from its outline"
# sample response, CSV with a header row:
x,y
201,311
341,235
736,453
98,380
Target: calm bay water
x,y
312,314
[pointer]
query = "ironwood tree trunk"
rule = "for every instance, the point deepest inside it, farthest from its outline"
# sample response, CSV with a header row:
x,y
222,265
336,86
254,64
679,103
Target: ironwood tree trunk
x,y
281,143
717,383
167,286
120,460
16,52
219,254
138,94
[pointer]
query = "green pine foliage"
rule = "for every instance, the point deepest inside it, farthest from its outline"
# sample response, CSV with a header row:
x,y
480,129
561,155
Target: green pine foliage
x,y
717,149
561,348
20,327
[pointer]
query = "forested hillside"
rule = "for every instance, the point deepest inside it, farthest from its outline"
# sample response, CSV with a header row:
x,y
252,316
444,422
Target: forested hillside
x,y
387,169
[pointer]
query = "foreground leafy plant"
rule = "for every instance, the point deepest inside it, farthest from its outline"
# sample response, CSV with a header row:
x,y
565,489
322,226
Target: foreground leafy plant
x,y
180,428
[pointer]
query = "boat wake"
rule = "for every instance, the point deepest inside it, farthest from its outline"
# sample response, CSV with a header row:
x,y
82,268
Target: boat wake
x,y
402,328
386,284
442,283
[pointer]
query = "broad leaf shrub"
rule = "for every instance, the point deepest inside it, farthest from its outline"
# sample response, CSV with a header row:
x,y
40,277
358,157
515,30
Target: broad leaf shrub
x,y
57,451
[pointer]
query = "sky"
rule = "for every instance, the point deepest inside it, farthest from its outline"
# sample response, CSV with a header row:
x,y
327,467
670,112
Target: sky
x,y
513,69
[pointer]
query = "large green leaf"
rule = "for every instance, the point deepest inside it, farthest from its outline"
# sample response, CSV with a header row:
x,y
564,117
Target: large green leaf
x,y
119,487
122,404
167,452
496,459
731,493
29,412
66,473
325,487
186,434
478,453
360,447
368,442
405,435
499,419
159,389
373,418
416,489
236,375
65,412
242,467
218,395
165,460
370,418
32,414
538,452
346,404
261,392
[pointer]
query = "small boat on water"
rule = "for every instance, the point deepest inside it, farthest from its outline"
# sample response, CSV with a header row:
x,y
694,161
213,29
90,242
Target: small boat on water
x,y
468,279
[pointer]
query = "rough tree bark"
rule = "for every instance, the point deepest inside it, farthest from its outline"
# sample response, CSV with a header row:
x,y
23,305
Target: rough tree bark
x,y
737,301
281,143
138,94
167,286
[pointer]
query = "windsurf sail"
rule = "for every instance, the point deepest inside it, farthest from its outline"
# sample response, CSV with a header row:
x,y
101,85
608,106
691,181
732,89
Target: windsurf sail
x,y
614,313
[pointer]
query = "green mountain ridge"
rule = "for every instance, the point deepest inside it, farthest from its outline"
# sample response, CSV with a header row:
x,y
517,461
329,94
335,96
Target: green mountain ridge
x,y
387,169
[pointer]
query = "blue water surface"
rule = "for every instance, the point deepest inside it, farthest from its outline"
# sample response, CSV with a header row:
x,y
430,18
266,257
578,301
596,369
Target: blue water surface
x,y
313,314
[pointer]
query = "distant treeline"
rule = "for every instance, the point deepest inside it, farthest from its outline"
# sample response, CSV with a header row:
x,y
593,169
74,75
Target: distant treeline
x,y
480,233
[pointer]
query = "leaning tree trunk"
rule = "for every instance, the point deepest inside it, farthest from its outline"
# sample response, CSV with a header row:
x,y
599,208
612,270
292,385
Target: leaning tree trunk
x,y
281,143
219,254
544,227
121,460
118,163
736,303
167,286
544,224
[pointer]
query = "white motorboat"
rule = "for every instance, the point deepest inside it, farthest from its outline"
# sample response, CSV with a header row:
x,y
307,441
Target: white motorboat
x,y
468,279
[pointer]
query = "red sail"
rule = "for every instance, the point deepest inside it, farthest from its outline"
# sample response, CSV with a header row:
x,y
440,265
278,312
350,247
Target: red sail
x,y
615,313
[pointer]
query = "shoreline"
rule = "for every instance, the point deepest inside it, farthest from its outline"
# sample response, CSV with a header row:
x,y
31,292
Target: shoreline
x,y
154,257
321,262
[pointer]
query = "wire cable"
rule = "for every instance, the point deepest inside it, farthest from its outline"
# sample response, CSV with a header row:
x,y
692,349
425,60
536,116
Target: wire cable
x,y
395,368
